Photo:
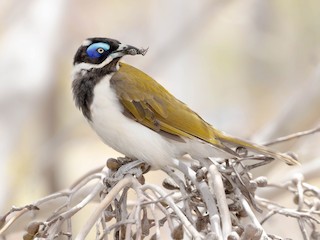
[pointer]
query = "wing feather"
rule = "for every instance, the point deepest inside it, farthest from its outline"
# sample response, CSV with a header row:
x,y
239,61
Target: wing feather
x,y
148,101
153,106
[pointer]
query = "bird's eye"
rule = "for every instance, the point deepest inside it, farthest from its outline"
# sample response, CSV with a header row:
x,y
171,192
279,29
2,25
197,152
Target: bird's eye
x,y
100,50
96,50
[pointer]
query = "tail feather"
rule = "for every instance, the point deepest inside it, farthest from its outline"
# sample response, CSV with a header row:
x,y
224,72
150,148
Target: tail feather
x,y
236,142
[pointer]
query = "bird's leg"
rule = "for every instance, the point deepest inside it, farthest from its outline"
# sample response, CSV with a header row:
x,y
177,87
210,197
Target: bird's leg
x,y
123,166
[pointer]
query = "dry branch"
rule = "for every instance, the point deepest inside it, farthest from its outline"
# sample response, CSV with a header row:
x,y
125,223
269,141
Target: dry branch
x,y
211,199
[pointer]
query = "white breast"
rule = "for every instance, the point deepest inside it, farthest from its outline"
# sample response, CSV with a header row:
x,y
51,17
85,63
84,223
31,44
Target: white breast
x,y
124,134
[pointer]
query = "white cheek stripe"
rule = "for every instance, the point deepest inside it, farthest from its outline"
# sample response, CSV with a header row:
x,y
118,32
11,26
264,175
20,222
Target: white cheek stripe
x,y
80,68
87,66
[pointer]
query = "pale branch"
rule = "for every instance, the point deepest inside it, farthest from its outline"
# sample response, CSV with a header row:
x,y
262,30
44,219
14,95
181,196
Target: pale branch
x,y
203,188
125,182
217,188
211,199
190,228
292,136
257,226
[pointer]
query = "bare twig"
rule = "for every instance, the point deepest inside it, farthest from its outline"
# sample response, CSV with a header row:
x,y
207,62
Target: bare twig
x,y
127,181
217,188
215,199
207,197
180,214
292,136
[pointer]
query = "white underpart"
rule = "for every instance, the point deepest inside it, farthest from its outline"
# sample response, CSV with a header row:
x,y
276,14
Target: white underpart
x,y
135,140
124,134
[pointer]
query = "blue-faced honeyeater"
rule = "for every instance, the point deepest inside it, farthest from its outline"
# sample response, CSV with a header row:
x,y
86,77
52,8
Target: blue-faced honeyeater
x,y
135,115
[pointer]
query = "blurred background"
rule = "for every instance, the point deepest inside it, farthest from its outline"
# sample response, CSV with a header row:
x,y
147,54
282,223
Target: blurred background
x,y
250,68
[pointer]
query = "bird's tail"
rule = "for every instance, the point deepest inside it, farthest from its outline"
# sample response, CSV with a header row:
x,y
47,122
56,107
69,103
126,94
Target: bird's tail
x,y
237,142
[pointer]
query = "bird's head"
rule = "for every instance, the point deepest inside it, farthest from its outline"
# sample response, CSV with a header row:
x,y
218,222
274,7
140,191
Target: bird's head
x,y
102,53
95,59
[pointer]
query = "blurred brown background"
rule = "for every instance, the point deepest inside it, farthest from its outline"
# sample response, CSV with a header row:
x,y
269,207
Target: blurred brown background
x,y
251,68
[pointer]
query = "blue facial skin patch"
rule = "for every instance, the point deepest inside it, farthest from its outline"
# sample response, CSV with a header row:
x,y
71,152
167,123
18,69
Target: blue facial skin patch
x,y
96,50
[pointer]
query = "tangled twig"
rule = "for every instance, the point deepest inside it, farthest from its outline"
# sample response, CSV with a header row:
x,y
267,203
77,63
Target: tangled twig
x,y
211,199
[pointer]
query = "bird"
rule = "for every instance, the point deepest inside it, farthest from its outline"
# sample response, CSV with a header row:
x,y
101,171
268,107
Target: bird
x,y
136,116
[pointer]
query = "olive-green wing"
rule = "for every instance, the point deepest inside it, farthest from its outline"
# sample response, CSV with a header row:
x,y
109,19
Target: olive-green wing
x,y
153,106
